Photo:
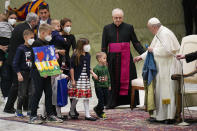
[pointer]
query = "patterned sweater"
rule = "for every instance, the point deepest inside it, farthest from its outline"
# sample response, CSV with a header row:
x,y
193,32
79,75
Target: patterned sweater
x,y
103,76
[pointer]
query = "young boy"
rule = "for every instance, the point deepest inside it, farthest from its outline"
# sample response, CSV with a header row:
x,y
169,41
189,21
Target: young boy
x,y
57,39
42,83
102,84
21,65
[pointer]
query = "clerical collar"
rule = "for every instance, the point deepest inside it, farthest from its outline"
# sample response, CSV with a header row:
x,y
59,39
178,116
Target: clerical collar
x,y
118,26
160,29
43,21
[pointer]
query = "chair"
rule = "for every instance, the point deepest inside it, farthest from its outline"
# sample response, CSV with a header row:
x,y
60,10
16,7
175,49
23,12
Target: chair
x,y
188,45
137,84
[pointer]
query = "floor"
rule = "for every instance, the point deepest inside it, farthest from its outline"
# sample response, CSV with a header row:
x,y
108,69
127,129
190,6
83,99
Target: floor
x,y
18,126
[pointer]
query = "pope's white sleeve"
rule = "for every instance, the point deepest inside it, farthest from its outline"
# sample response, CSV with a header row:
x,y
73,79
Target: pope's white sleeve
x,y
144,55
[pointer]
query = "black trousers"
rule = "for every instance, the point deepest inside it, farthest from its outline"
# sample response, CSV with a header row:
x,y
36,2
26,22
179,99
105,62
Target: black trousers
x,y
190,16
24,91
13,92
6,79
41,84
102,95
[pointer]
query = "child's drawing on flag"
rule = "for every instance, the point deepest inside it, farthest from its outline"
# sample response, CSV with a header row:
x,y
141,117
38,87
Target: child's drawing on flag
x,y
46,61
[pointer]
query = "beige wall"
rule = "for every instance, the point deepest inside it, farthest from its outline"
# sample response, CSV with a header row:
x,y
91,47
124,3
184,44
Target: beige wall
x,y
89,16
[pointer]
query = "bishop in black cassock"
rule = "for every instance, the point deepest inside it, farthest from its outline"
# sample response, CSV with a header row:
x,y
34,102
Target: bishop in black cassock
x,y
116,43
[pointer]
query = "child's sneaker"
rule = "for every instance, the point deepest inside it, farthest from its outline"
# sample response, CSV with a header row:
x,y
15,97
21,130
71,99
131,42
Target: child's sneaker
x,y
53,119
96,111
63,117
103,116
19,114
35,120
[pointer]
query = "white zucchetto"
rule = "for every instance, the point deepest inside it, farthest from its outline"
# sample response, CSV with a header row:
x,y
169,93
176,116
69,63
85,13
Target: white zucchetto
x,y
153,21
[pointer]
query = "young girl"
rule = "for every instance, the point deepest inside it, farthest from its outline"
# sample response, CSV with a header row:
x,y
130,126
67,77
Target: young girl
x,y
80,78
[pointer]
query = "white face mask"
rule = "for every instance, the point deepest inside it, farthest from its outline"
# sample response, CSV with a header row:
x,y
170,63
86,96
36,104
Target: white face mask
x,y
87,48
67,29
48,38
11,21
30,41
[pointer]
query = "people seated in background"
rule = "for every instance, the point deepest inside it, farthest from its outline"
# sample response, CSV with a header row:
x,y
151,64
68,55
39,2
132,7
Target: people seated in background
x,y
163,46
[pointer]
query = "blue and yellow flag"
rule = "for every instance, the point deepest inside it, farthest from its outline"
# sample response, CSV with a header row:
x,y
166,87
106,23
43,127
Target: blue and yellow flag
x,y
149,73
26,8
46,61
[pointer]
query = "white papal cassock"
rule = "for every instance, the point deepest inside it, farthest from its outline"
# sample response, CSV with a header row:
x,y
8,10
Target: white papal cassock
x,y
164,43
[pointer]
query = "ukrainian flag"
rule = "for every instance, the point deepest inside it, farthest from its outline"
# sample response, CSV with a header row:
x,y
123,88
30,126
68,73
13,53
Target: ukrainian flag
x,y
28,7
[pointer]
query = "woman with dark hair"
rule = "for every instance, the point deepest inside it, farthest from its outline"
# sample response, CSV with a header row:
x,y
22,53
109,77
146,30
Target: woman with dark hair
x,y
66,25
12,17
7,24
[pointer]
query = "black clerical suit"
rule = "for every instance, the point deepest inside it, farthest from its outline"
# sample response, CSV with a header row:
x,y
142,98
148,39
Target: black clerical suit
x,y
191,57
113,34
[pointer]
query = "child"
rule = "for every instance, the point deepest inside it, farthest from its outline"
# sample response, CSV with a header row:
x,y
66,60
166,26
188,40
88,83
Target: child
x,y
80,78
54,83
57,39
42,83
5,34
60,43
22,65
102,84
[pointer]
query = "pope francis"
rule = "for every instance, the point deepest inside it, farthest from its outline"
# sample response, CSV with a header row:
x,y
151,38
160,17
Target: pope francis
x,y
164,46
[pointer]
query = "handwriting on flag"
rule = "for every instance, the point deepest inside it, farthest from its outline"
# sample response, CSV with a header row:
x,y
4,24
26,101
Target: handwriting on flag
x,y
46,61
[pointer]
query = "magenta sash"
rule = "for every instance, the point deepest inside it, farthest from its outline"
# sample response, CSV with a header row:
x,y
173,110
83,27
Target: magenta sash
x,y
124,49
